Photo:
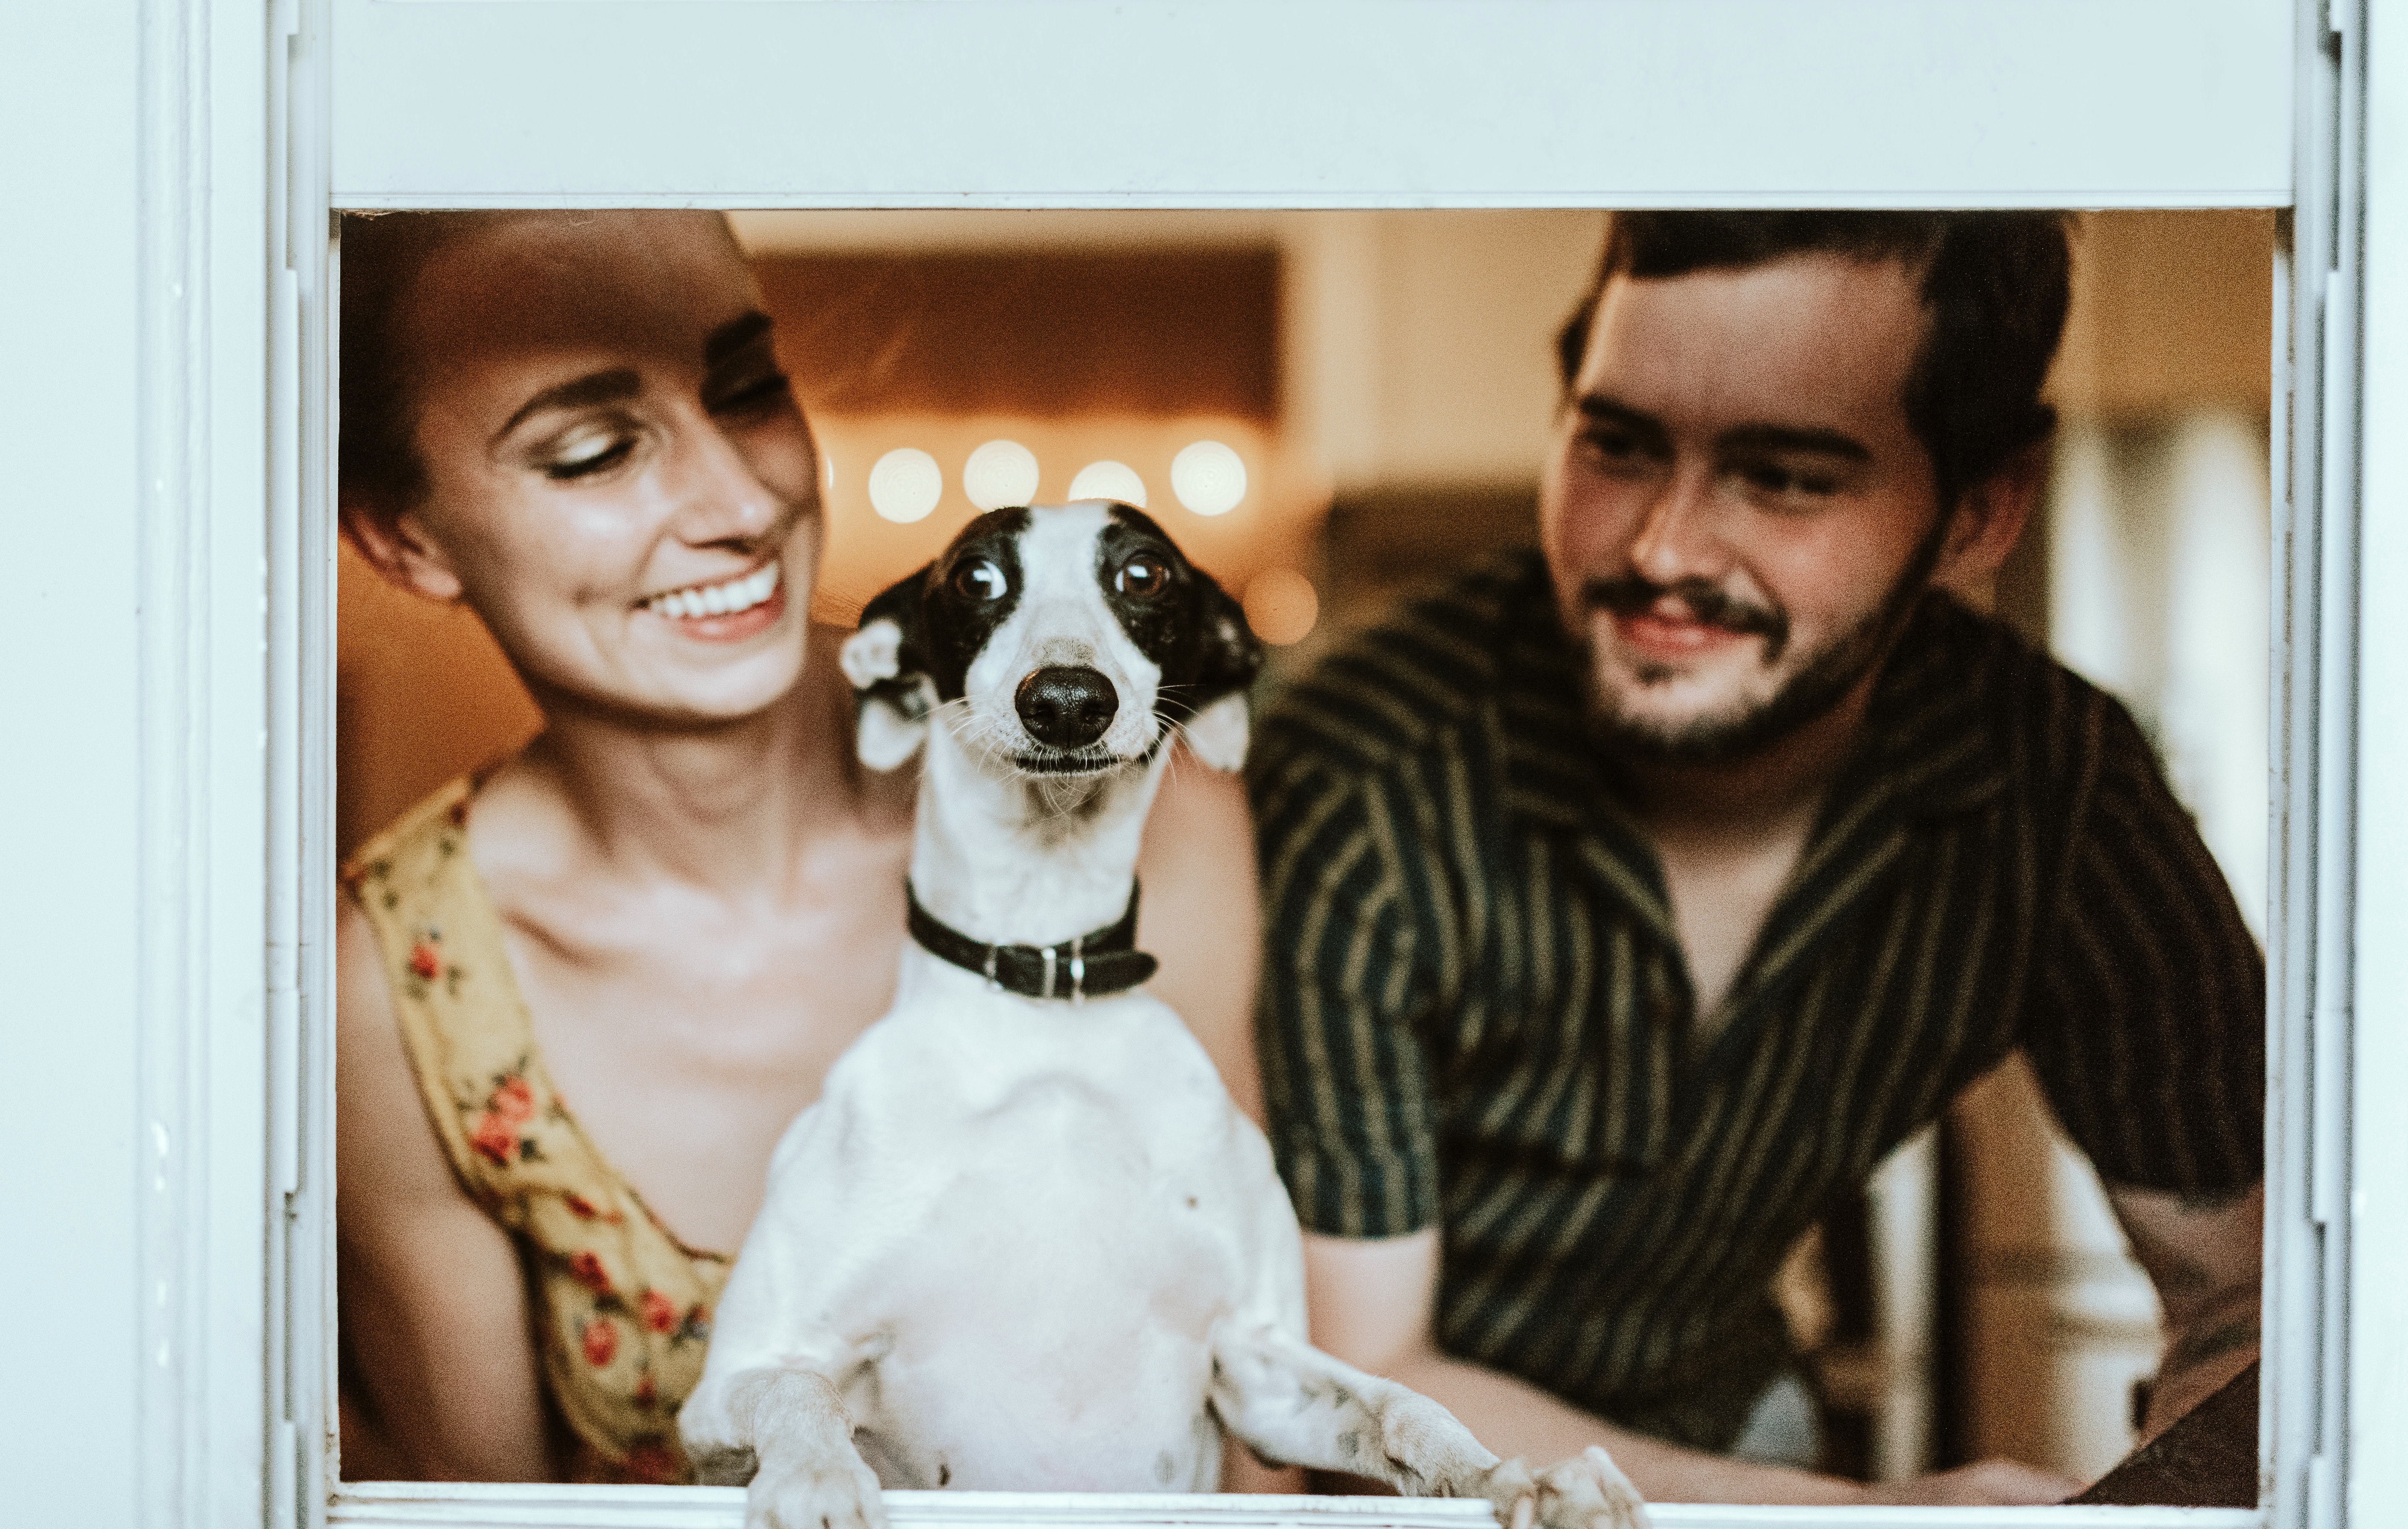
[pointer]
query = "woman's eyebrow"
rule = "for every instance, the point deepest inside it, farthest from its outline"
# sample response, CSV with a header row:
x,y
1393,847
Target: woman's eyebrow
x,y
616,386
732,336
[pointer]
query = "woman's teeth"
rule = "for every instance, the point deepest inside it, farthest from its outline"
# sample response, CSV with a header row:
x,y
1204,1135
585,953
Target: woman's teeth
x,y
717,600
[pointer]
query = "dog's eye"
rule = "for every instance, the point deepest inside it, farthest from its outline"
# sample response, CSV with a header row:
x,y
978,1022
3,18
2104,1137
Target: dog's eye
x,y
981,580
1142,577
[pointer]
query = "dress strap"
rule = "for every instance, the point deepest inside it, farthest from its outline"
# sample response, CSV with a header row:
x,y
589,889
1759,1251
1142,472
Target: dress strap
x,y
624,1308
464,1026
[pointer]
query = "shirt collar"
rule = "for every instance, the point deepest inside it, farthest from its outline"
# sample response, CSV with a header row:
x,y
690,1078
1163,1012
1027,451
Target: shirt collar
x,y
1932,741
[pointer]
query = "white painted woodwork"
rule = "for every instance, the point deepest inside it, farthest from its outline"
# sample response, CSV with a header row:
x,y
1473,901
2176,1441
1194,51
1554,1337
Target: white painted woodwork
x,y
171,167
2377,1198
1331,102
396,1506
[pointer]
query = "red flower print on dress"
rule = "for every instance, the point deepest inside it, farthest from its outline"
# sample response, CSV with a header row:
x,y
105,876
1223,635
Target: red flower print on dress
x,y
513,1101
510,1106
583,1208
650,1464
647,1394
425,959
659,1311
600,1340
494,1137
586,1269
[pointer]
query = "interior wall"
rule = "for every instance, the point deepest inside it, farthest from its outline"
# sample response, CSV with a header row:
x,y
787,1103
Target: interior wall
x,y
1057,333
2171,311
1422,385
1430,336
421,694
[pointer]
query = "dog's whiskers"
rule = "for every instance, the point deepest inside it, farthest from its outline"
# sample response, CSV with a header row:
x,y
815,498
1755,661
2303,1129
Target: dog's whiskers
x,y
977,735
1163,697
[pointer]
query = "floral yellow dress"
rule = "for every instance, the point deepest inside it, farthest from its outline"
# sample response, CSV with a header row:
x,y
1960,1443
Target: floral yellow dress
x,y
624,1307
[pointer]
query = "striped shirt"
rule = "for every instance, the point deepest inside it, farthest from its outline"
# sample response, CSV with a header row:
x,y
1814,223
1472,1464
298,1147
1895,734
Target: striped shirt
x,y
1476,1011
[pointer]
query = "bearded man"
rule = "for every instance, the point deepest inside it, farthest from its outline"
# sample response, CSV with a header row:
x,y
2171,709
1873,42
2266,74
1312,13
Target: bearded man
x,y
1628,901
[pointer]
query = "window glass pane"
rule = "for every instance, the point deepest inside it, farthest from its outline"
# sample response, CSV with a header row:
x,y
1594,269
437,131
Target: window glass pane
x,y
1329,411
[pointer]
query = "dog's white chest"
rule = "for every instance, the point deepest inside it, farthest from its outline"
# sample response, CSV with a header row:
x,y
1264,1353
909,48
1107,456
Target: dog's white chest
x,y
1033,1217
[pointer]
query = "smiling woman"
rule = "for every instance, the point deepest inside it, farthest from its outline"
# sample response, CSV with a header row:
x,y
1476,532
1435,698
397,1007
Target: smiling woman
x,y
640,493
678,905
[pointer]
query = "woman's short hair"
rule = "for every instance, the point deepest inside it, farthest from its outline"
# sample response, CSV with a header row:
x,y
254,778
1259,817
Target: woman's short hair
x,y
379,470
1995,288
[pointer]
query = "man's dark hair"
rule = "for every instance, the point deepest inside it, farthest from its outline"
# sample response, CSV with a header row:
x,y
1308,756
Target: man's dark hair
x,y
1994,286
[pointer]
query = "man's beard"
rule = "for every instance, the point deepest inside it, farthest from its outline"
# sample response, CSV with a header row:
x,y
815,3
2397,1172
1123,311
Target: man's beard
x,y
1822,682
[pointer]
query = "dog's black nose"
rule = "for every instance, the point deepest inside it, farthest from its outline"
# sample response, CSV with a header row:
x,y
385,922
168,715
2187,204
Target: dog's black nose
x,y
1065,707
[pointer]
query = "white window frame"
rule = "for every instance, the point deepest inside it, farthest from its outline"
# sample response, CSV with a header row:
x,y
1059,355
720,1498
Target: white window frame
x,y
245,142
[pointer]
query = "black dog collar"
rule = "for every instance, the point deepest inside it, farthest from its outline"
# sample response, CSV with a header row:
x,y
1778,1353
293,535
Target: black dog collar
x,y
1101,961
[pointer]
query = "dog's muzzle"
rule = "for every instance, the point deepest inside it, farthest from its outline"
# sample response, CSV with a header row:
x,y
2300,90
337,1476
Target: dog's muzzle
x,y
1066,707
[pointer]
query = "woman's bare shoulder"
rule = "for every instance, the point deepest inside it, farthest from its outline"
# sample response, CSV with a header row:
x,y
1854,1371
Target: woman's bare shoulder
x,y
434,1303
523,820
384,1140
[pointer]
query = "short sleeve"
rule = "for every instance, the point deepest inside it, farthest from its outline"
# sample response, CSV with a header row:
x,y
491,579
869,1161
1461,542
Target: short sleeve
x,y
2148,1020
1346,1085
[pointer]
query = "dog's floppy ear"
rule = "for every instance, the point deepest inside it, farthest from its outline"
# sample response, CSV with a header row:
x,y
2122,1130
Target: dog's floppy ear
x,y
884,660
1229,657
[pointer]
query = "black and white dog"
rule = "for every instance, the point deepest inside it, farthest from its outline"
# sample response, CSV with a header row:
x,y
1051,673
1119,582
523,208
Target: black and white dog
x,y
1024,1241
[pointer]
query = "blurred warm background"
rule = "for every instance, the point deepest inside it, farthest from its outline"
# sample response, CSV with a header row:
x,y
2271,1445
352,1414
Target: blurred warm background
x,y
1327,408
1379,381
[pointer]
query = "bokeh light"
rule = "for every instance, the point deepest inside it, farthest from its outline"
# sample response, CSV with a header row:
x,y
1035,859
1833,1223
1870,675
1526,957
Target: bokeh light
x,y
1108,481
905,485
1281,605
1208,478
1000,473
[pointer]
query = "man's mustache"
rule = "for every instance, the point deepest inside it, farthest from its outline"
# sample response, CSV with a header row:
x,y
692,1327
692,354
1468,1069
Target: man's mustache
x,y
1629,595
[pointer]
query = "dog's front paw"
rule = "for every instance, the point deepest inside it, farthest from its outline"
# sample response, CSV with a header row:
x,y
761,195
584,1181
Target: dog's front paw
x,y
828,1495
1586,1492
